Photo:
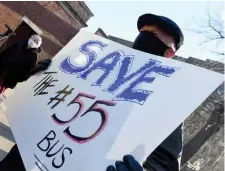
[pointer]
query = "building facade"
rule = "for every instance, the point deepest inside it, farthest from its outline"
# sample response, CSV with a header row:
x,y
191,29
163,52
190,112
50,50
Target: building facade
x,y
56,21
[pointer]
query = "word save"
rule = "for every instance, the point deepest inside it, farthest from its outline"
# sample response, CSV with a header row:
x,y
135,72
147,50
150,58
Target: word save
x,y
108,64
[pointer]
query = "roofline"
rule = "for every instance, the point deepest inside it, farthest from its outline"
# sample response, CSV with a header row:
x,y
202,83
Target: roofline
x,y
67,7
101,32
32,25
86,7
110,36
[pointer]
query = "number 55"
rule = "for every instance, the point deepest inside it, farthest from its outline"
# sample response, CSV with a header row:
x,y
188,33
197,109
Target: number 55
x,y
104,119
77,100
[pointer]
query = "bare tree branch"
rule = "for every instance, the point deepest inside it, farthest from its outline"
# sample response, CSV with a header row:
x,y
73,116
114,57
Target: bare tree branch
x,y
219,53
210,25
213,30
208,40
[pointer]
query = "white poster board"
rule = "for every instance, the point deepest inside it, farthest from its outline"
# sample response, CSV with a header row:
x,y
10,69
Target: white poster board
x,y
100,100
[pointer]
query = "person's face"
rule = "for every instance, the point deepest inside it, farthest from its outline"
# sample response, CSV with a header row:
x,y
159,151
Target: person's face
x,y
34,42
164,37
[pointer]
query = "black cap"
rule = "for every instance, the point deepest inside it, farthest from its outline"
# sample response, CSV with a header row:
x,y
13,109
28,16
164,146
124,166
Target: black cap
x,y
164,23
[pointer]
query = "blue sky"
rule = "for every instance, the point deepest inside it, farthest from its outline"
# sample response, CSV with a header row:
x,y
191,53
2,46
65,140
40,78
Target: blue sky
x,y
118,18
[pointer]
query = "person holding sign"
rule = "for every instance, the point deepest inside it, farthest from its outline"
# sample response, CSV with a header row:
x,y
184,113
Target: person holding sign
x,y
160,36
19,62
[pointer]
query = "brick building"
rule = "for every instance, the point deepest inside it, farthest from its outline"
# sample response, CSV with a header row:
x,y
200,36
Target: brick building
x,y
203,132
56,22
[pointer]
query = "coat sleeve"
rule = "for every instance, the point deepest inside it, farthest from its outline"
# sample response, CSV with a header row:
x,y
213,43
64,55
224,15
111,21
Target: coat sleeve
x,y
12,161
25,69
165,156
19,71
41,65
10,49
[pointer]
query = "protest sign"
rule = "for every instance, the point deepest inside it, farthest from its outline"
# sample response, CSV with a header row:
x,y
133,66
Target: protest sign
x,y
100,100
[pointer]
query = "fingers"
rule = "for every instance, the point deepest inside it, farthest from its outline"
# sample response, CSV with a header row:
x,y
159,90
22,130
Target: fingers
x,y
110,168
46,61
120,166
131,163
42,67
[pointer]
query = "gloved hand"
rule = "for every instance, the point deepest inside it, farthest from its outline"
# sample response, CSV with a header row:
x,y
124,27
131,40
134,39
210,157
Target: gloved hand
x,y
41,65
45,62
129,164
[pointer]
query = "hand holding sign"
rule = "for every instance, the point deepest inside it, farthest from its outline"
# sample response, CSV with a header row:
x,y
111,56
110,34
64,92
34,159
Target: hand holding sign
x,y
128,164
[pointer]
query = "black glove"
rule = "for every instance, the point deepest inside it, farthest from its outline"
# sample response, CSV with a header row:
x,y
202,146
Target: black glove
x,y
42,65
129,164
45,62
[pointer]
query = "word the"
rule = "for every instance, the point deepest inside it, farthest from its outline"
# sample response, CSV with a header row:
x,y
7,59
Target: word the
x,y
40,87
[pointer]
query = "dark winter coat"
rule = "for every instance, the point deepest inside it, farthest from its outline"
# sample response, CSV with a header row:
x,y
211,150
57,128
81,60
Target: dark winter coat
x,y
13,161
16,63
165,156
